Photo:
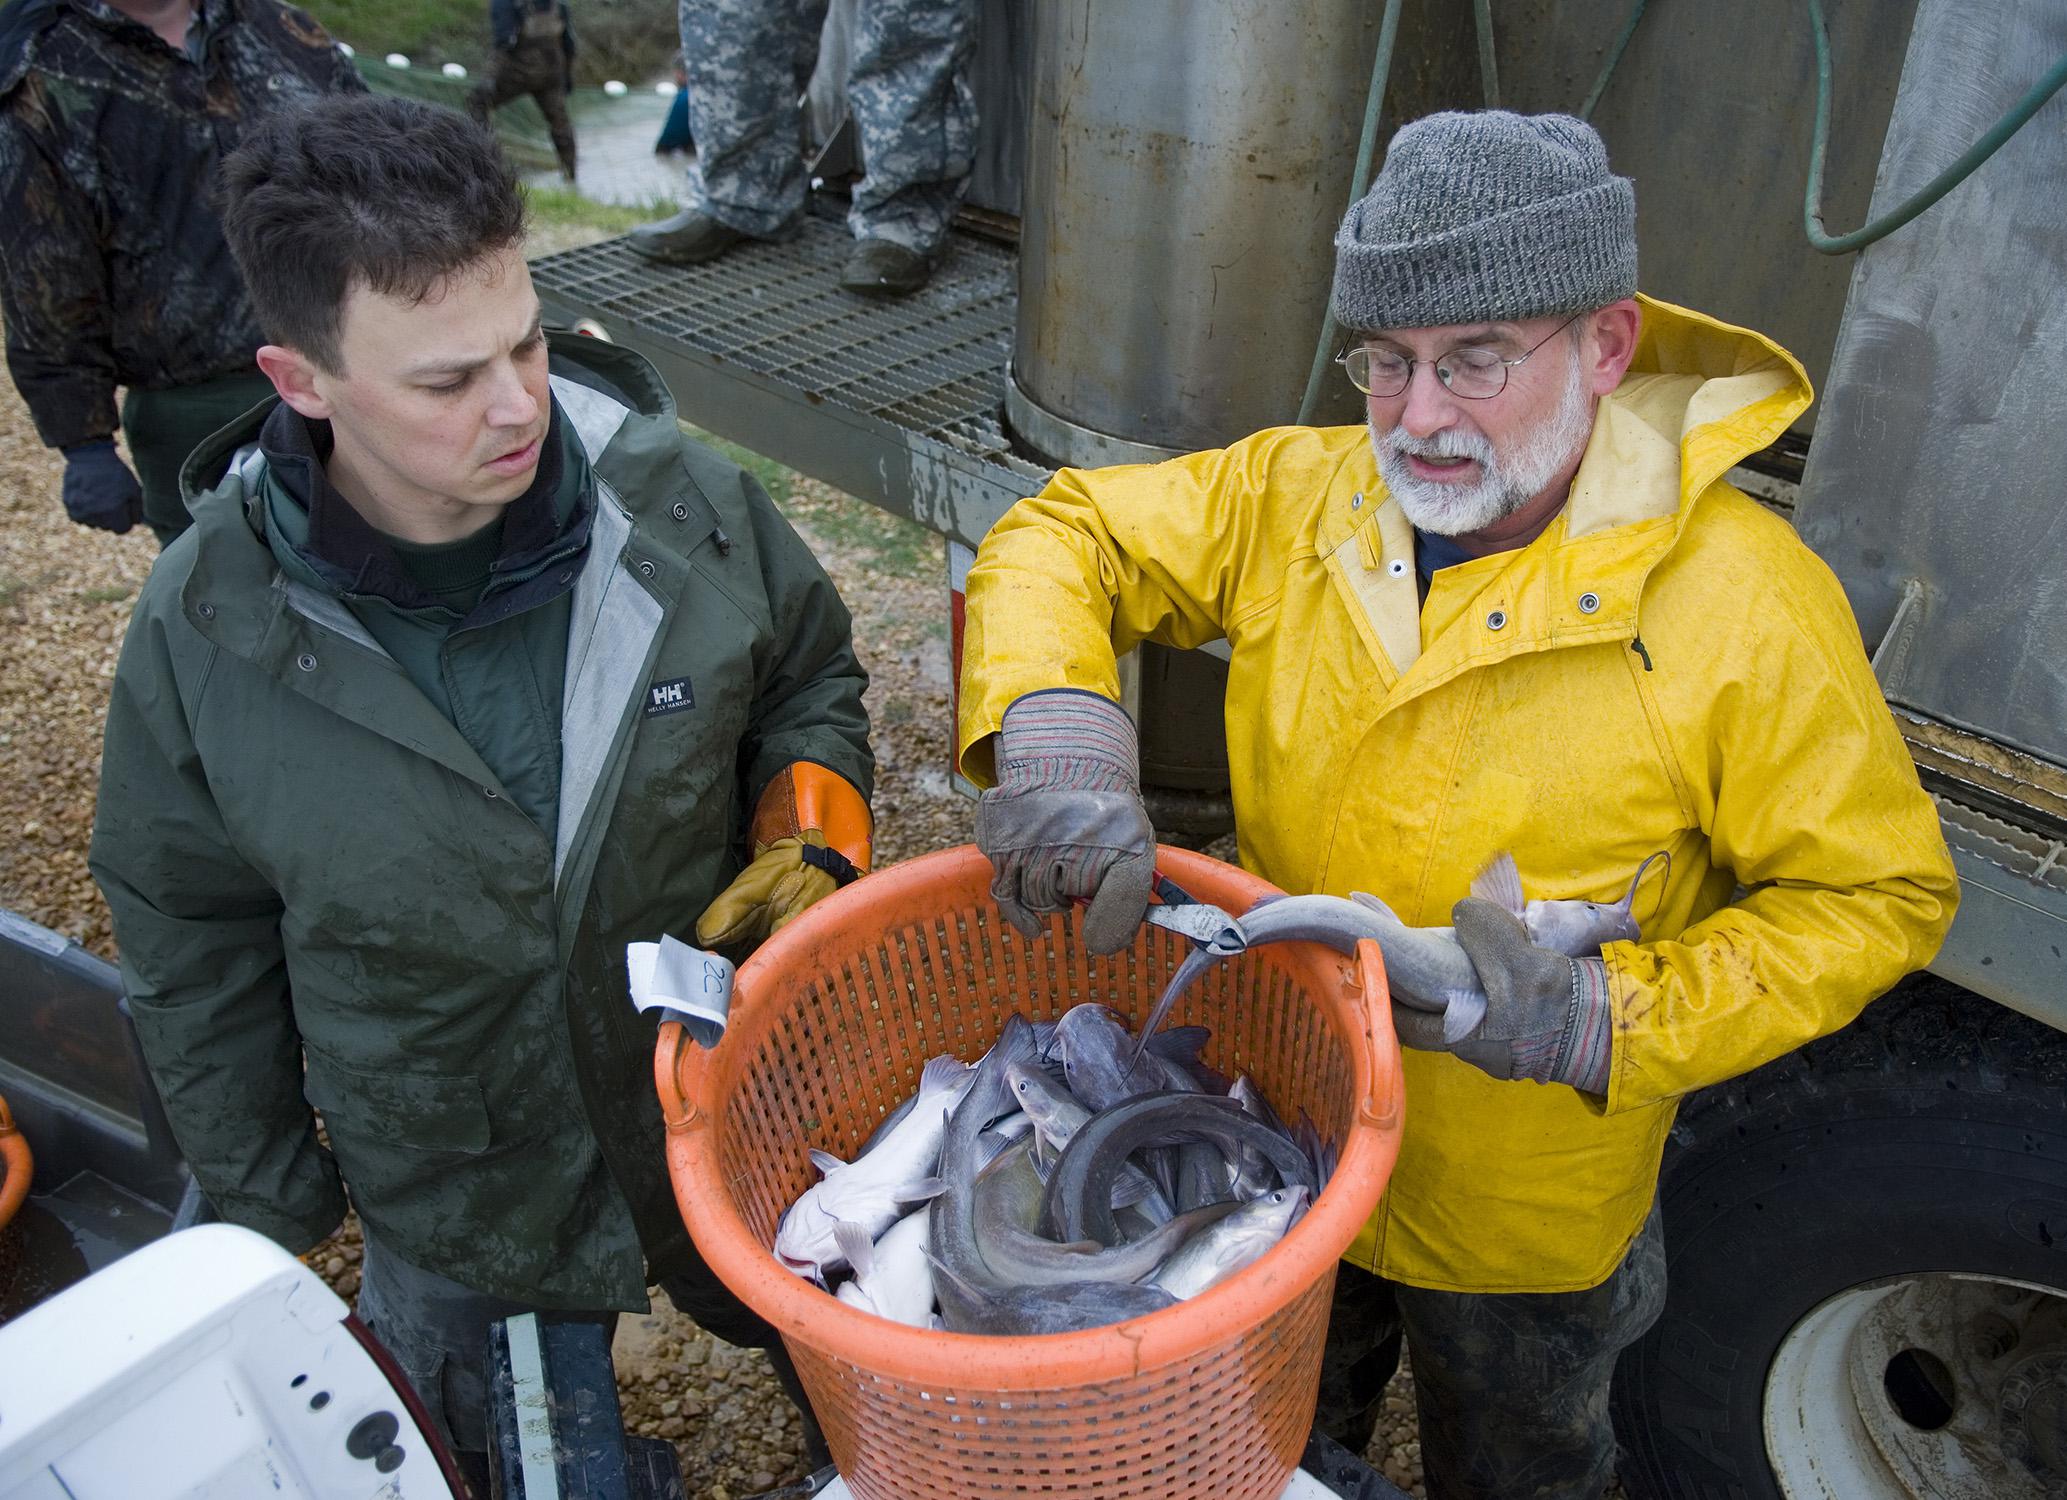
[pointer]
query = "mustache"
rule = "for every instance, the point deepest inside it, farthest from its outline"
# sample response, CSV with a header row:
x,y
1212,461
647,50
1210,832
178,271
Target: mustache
x,y
1453,442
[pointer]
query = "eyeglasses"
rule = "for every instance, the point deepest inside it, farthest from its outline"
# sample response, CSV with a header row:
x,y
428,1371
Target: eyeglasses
x,y
1475,373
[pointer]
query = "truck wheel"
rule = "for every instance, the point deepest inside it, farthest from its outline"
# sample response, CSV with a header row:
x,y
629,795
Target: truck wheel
x,y
1867,1244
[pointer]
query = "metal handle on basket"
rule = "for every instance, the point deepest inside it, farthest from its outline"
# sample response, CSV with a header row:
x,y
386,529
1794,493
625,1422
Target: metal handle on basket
x,y
1382,1107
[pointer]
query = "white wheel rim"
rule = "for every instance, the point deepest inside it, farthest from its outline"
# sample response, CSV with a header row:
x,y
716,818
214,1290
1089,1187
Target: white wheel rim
x,y
1933,1387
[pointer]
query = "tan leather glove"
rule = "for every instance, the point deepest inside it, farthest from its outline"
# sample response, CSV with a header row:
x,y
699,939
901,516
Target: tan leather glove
x,y
810,837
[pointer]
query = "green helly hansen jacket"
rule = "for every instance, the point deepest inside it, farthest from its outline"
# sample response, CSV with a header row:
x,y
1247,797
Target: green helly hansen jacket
x,y
325,901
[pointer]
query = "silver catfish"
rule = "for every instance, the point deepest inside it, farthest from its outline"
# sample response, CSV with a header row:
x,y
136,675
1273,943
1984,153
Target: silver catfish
x,y
1057,1115
1008,1211
892,1277
962,1282
1214,1254
1103,1064
1425,966
875,1189
1070,1307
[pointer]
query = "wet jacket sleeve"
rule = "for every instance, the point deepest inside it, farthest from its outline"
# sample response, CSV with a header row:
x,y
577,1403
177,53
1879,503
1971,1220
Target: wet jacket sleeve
x,y
1103,559
1809,797
808,683
202,961
53,292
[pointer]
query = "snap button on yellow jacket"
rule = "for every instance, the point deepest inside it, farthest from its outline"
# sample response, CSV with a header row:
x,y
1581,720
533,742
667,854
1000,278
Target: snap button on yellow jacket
x,y
1666,668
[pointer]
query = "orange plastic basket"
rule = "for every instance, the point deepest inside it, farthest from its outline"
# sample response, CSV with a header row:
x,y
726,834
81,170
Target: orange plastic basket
x,y
831,1022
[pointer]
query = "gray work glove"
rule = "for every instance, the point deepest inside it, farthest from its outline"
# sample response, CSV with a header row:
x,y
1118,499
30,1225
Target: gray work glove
x,y
1547,1016
1065,821
99,489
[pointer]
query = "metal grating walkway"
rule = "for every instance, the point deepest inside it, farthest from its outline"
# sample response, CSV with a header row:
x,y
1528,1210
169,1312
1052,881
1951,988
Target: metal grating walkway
x,y
770,317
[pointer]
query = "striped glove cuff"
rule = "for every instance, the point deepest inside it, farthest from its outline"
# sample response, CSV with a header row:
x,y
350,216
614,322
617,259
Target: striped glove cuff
x,y
1588,1048
1064,739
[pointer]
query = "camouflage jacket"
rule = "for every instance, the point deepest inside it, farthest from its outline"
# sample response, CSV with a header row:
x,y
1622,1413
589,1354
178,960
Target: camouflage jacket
x,y
113,268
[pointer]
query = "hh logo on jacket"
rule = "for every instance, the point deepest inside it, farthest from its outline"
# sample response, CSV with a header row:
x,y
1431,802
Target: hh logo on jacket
x,y
669,697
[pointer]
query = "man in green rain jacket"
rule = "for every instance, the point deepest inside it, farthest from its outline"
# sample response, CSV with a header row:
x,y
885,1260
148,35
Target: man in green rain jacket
x,y
471,671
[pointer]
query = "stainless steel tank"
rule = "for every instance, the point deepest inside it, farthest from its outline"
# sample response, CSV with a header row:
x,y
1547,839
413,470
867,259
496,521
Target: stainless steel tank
x,y
1188,162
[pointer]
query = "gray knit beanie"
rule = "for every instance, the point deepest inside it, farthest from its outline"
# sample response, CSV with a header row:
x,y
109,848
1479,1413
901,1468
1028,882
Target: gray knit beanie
x,y
1486,217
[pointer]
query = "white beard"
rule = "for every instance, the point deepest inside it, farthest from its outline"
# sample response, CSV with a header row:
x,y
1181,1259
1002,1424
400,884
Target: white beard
x,y
1505,483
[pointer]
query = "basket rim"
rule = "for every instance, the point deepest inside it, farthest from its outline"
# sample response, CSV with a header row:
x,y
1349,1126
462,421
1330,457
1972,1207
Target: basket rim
x,y
687,1078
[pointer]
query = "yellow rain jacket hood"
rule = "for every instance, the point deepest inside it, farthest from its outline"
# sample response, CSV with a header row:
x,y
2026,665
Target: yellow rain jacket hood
x,y
1667,667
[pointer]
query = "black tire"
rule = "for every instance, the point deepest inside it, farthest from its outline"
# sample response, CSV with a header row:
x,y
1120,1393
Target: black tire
x,y
1930,1135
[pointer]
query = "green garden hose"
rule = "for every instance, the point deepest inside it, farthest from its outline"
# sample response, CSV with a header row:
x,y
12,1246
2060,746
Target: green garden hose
x,y
1600,84
1819,238
1488,74
1930,192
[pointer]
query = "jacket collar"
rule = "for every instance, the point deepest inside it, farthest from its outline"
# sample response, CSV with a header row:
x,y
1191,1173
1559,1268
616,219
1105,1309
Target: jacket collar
x,y
311,524
1700,396
620,415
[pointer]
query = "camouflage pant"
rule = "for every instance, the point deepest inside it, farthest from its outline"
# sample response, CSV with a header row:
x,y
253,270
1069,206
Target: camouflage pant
x,y
536,66
748,62
1512,1389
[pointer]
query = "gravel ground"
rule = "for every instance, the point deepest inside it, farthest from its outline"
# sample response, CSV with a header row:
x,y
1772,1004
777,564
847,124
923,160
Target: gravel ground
x,y
65,596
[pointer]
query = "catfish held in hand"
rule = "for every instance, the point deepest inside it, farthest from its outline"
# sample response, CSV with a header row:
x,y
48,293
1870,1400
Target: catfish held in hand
x,y
1424,966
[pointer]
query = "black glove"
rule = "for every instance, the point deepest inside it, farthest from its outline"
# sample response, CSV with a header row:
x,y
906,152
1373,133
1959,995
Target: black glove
x,y
1547,1018
99,489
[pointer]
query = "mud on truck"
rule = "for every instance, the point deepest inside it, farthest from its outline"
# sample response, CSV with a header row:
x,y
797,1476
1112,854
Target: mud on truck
x,y
1867,1238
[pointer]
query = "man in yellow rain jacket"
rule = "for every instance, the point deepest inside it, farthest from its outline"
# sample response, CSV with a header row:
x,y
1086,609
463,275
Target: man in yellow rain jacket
x,y
1523,612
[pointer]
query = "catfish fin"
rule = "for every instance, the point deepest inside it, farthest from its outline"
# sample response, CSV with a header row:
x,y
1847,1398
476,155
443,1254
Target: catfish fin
x,y
1128,1190
856,1248
1500,882
943,1074
1370,902
1180,1044
961,1284
825,1161
923,1189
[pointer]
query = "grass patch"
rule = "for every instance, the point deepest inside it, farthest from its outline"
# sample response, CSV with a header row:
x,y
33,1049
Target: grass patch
x,y
106,595
563,207
888,543
775,479
12,588
891,543
612,39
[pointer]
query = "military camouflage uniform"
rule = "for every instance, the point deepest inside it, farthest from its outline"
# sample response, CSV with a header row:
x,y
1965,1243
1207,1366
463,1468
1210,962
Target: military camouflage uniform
x,y
113,269
748,62
534,54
